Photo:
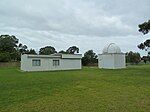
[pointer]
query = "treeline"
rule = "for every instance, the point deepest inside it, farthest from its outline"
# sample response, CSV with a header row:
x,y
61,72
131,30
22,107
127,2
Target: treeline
x,y
133,57
11,50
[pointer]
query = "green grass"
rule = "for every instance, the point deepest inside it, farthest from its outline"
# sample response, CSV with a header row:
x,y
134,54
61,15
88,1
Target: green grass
x,y
86,90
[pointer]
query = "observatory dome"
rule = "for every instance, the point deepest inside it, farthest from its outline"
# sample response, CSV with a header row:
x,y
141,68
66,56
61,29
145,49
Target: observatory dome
x,y
111,48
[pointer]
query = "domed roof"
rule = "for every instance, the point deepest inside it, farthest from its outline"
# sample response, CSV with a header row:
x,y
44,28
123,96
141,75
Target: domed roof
x,y
111,48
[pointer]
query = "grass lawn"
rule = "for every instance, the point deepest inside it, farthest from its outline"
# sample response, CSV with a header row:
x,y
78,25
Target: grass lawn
x,y
86,90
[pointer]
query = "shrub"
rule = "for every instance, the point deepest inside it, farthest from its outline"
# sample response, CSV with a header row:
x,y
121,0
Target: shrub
x,y
5,57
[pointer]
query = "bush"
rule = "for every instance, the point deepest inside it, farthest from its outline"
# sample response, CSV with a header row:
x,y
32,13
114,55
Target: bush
x,y
5,57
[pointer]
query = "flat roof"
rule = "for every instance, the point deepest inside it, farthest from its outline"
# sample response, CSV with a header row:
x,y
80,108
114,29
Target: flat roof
x,y
42,56
58,55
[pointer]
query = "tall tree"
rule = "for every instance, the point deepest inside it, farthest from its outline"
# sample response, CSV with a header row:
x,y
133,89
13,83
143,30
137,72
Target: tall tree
x,y
8,43
10,50
47,50
72,50
89,58
8,46
145,28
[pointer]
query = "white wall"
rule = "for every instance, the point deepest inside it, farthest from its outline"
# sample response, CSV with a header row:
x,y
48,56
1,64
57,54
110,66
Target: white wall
x,y
111,61
47,64
119,60
71,56
67,64
106,61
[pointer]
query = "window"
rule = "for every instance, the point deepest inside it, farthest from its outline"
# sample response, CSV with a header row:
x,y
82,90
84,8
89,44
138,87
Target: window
x,y
55,62
36,62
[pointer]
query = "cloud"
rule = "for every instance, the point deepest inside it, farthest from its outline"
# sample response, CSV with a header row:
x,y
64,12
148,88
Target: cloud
x,y
88,24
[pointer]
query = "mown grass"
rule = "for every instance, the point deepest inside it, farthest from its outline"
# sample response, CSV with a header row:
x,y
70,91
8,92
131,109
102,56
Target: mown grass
x,y
86,90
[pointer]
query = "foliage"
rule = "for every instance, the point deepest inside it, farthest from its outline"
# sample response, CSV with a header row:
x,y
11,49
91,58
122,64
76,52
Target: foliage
x,y
8,43
145,46
89,58
8,46
47,50
145,59
22,48
31,51
63,52
15,56
133,58
145,28
86,90
4,57
10,49
72,50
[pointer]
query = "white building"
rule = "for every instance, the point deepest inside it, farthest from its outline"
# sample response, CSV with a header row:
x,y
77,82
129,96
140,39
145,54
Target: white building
x,y
111,58
50,62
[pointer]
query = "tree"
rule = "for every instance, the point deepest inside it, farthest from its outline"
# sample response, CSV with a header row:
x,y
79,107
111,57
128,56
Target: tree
x,y
72,50
145,28
5,57
31,51
89,58
22,49
47,50
145,59
15,56
8,46
63,52
133,58
145,46
11,50
8,43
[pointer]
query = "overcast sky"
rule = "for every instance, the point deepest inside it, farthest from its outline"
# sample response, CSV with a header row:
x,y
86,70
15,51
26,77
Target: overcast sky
x,y
88,24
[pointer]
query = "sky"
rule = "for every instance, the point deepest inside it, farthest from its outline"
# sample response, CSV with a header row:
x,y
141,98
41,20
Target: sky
x,y
87,24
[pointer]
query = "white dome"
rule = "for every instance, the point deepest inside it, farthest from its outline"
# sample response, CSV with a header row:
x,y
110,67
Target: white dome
x,y
111,48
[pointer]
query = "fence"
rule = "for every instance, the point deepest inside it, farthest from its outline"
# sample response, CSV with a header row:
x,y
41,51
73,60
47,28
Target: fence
x,y
9,64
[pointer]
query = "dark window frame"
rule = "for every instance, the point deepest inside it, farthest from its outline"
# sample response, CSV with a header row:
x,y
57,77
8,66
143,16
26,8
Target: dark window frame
x,y
36,62
56,62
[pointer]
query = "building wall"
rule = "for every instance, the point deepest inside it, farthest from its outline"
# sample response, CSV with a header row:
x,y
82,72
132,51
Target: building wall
x,y
67,64
119,61
47,64
106,61
111,61
24,63
71,56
